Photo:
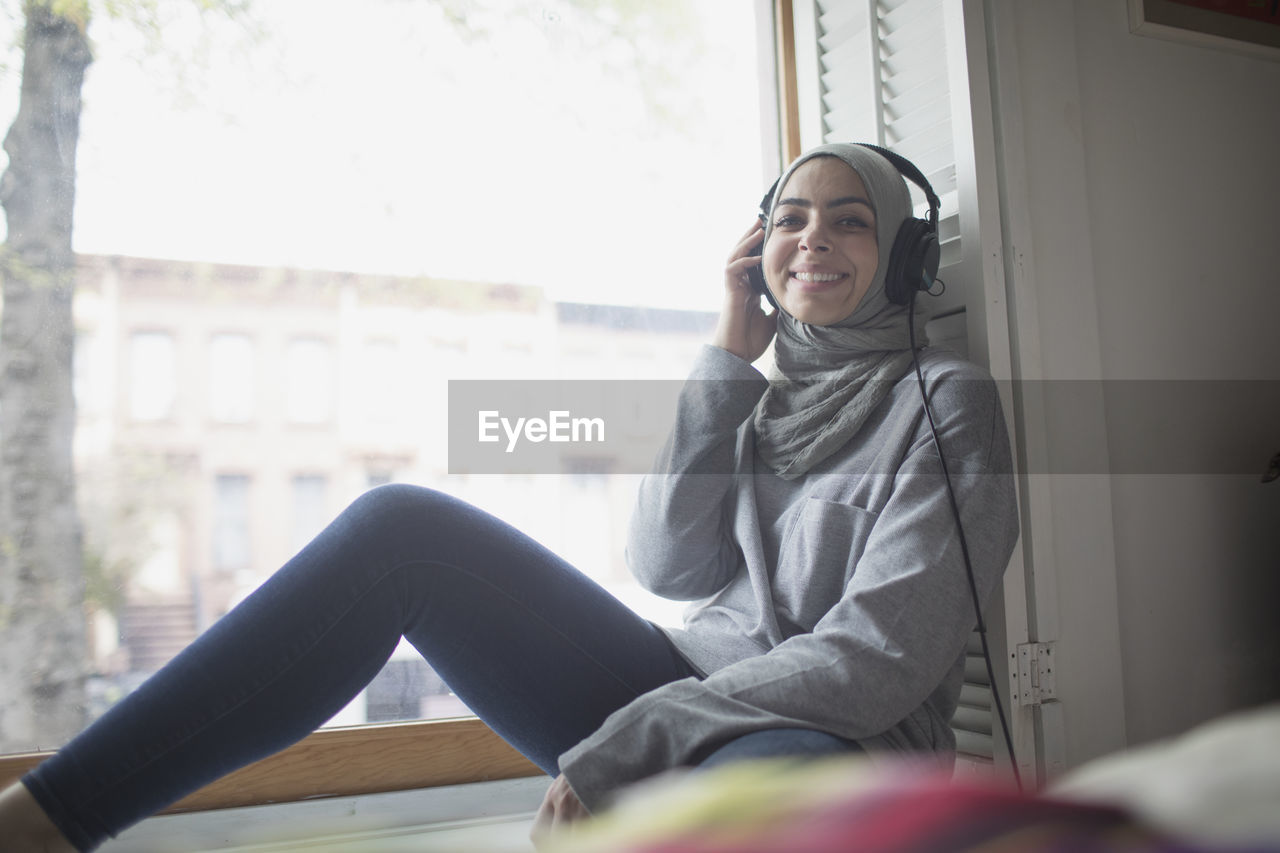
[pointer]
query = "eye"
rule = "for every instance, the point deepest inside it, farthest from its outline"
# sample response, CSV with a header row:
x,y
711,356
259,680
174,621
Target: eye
x,y
854,223
789,220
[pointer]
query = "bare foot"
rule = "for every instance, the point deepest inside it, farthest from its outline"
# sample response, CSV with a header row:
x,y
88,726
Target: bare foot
x,y
25,827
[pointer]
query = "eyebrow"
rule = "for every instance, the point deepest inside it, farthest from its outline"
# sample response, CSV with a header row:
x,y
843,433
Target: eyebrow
x,y
839,202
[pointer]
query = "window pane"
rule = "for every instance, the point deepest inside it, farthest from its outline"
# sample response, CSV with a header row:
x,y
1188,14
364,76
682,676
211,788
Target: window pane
x,y
153,376
310,507
381,381
161,572
232,548
309,382
231,378
309,233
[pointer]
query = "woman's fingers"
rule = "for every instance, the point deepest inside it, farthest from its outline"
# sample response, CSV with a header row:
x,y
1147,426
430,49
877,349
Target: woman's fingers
x,y
756,225
748,241
560,807
737,270
744,328
745,255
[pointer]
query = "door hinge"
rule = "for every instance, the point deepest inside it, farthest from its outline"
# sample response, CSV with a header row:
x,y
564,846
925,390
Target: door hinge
x,y
1034,678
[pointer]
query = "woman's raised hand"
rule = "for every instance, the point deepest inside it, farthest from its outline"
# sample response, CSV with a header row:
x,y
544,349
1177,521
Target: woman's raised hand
x,y
744,328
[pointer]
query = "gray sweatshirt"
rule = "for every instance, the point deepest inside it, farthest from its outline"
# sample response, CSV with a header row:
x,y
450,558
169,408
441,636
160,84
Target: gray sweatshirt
x,y
837,601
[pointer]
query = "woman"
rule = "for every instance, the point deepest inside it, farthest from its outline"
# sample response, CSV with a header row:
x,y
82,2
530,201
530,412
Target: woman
x,y
806,516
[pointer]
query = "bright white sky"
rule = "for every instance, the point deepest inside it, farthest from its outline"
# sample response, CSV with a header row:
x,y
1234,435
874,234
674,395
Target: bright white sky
x,y
369,135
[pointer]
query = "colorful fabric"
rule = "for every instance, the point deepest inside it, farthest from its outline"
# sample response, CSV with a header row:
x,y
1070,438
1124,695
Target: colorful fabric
x,y
842,805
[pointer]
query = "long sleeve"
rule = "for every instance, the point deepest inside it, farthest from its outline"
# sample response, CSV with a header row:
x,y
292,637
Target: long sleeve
x,y
880,545
679,542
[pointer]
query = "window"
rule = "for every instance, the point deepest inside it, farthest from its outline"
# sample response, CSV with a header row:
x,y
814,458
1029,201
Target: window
x,y
381,381
339,258
310,507
309,381
152,376
161,572
378,477
231,386
232,546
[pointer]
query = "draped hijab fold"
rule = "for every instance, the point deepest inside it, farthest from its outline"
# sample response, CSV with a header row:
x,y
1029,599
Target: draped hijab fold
x,y
827,380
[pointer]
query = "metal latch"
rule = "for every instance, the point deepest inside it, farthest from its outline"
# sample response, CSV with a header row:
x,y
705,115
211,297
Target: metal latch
x,y
1034,678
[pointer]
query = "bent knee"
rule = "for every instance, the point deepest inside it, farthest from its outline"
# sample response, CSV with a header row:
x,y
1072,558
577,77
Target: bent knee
x,y
393,499
401,505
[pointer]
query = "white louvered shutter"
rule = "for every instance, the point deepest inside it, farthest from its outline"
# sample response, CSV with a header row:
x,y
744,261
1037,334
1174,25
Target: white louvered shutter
x,y
879,68
973,720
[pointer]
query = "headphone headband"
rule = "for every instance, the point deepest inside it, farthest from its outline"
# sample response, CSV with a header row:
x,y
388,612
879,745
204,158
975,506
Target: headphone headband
x,y
905,168
913,174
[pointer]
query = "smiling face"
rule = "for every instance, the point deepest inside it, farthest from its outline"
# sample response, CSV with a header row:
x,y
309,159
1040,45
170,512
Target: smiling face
x,y
821,255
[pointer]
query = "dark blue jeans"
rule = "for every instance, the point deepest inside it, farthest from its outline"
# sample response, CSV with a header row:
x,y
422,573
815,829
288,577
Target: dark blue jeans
x,y
540,652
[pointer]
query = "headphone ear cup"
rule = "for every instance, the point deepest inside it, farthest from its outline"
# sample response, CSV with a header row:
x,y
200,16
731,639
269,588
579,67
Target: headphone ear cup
x,y
913,261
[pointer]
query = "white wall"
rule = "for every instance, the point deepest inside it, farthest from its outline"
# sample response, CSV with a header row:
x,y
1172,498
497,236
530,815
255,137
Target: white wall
x,y
1145,176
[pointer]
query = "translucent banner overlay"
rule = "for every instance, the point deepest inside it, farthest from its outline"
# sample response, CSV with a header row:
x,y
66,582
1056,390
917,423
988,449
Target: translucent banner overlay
x,y
1119,427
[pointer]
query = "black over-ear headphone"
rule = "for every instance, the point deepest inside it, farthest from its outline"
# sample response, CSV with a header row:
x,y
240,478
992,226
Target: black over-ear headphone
x,y
913,261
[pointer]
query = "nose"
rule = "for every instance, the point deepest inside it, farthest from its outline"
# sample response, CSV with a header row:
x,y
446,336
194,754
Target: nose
x,y
814,238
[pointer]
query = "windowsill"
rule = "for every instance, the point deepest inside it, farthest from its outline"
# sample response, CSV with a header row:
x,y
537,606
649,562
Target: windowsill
x,y
491,816
346,762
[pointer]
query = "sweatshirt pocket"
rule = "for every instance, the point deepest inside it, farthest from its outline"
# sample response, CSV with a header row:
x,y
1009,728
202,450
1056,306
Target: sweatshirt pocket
x,y
818,558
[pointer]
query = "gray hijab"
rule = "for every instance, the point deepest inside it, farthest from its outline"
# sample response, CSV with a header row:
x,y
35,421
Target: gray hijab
x,y
827,380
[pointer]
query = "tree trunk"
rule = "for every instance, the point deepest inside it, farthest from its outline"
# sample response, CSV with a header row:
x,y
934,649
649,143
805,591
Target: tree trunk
x,y
42,626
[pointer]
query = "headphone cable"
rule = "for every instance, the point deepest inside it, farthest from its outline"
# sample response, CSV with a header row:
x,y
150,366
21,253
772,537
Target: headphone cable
x,y
964,545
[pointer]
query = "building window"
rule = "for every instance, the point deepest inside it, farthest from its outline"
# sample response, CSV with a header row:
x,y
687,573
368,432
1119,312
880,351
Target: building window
x,y
231,543
152,376
380,383
310,507
309,383
379,477
231,378
161,572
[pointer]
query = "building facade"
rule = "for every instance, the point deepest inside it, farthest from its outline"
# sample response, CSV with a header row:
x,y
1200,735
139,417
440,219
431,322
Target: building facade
x,y
227,413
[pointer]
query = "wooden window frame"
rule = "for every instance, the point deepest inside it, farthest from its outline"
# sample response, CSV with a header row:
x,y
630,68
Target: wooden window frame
x,y
788,86
351,761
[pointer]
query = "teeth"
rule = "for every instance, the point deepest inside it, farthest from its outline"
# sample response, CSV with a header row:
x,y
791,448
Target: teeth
x,y
817,276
